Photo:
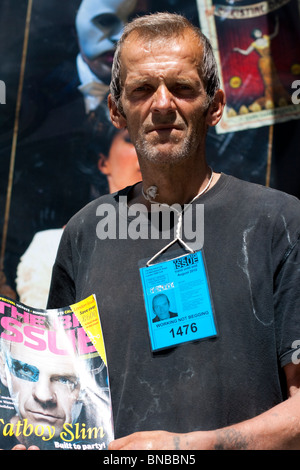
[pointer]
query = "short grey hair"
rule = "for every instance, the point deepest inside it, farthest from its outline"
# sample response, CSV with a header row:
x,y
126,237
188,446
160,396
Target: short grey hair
x,y
163,26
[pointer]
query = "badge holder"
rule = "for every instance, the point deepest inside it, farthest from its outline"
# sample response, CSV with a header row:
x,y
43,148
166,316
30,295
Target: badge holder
x,y
177,297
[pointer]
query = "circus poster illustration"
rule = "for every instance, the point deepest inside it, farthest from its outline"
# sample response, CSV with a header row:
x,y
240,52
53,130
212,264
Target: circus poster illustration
x,y
257,45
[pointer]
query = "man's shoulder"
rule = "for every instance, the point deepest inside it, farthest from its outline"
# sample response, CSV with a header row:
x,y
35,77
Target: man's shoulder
x,y
261,194
264,206
89,212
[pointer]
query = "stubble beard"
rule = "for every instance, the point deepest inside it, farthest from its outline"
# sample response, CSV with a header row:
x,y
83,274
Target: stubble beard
x,y
154,152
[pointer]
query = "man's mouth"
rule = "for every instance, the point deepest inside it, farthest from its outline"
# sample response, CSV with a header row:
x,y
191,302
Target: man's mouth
x,y
164,128
41,416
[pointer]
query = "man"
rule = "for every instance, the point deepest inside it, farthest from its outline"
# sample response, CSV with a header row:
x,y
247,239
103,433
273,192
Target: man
x,y
239,389
161,308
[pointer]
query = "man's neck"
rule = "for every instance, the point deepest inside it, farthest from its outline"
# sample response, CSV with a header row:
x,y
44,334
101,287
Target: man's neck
x,y
173,185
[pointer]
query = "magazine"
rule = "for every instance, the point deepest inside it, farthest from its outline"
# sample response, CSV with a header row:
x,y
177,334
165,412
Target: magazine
x,y
54,377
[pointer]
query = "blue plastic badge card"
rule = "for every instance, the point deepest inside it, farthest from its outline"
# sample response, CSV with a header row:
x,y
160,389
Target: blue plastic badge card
x,y
177,301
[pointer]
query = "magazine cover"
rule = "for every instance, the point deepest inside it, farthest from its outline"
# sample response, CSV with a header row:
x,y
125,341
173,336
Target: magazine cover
x,y
257,47
54,379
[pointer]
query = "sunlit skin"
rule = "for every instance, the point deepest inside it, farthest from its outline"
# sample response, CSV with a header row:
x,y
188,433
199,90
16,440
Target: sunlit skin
x,y
163,95
166,113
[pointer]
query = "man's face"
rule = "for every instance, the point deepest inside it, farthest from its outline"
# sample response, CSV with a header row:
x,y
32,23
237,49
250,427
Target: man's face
x,y
164,99
99,24
44,386
161,307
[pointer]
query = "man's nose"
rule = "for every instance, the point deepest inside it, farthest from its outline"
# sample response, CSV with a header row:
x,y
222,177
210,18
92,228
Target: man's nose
x,y
43,391
162,100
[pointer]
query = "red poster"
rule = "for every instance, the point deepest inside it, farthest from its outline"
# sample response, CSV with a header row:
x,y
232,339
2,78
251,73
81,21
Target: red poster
x,y
258,49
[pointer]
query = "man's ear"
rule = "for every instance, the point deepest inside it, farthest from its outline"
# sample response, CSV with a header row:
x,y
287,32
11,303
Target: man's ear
x,y
116,117
216,108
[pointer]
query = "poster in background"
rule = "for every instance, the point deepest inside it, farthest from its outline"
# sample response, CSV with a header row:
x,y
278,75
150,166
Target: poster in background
x,y
257,46
54,152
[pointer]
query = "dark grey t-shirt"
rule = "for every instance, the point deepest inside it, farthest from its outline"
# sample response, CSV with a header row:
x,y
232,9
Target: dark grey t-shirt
x,y
251,248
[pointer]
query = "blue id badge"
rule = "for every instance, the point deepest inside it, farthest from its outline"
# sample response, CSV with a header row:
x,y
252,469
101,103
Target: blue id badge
x,y
178,302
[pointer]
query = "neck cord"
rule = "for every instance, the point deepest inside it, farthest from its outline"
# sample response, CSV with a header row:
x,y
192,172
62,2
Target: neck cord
x,y
151,193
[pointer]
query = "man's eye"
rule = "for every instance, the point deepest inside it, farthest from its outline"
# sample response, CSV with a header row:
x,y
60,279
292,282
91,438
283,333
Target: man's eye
x,y
72,382
141,88
183,89
24,371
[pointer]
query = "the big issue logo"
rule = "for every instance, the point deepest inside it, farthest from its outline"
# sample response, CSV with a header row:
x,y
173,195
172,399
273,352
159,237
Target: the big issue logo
x,y
2,92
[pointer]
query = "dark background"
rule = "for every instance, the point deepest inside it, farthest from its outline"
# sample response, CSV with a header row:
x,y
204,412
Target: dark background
x,y
52,171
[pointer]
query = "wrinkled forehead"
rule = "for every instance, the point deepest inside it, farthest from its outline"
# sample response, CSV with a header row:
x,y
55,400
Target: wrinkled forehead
x,y
161,50
138,41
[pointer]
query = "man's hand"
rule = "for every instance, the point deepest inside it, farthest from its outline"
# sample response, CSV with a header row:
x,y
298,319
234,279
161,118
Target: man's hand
x,y
275,429
22,447
148,440
162,440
